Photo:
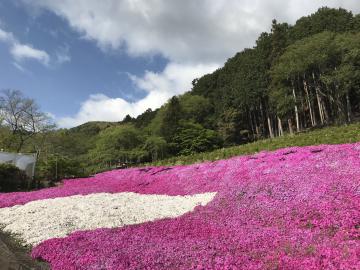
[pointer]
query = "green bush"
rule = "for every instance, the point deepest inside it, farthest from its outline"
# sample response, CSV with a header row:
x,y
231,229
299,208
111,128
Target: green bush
x,y
12,178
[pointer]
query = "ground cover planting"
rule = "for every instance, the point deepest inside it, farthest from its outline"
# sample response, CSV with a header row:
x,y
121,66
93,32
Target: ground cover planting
x,y
294,208
45,219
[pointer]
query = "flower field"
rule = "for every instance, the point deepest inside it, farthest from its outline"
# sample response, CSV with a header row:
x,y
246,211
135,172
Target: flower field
x,y
295,208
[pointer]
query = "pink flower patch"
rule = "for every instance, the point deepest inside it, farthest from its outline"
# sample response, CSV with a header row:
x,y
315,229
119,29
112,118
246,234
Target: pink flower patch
x,y
295,208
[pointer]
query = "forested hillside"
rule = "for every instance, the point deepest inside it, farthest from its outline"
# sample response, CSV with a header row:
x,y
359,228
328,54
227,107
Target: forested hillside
x,y
296,77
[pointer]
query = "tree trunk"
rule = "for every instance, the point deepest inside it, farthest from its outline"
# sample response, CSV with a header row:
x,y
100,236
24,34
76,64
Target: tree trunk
x,y
21,144
326,114
339,102
333,106
251,124
303,123
274,126
290,127
281,132
340,112
296,108
320,106
257,129
271,132
262,118
312,116
348,107
319,101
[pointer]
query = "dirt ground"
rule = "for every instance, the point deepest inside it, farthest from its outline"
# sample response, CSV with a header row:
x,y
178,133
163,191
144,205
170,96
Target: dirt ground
x,y
15,257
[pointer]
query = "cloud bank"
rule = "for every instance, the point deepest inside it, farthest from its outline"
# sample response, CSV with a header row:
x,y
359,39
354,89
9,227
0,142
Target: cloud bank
x,y
22,52
199,33
159,87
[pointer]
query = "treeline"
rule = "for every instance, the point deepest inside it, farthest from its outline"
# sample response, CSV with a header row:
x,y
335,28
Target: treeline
x,y
296,77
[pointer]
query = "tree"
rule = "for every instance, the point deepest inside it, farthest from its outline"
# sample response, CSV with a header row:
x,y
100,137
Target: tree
x,y
229,126
57,167
344,78
156,147
195,108
279,39
23,117
170,121
127,119
145,118
325,19
357,22
193,138
118,143
12,178
321,73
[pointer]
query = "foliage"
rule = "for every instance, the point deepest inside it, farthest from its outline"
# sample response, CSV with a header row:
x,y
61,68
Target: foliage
x,y
118,144
144,119
156,147
12,179
195,108
56,168
193,138
229,126
171,119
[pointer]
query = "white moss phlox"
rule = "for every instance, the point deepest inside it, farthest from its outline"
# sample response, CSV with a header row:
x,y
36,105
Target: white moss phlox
x,y
40,220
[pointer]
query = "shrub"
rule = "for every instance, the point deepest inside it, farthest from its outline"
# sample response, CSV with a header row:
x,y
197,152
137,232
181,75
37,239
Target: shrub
x,y
11,178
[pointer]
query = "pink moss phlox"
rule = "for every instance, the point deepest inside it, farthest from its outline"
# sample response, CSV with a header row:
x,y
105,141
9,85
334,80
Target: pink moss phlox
x,y
295,208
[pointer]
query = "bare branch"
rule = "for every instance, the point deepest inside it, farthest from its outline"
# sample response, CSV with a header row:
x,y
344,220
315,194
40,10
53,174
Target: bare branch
x,y
22,115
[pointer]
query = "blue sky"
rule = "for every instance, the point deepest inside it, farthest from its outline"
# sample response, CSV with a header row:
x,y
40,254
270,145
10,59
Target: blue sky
x,y
62,86
89,60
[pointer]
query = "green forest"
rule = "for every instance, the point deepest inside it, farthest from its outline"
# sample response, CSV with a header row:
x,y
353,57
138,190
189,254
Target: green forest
x,y
296,78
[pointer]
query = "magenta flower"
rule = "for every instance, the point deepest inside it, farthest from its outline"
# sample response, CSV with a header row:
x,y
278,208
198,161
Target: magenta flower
x,y
295,208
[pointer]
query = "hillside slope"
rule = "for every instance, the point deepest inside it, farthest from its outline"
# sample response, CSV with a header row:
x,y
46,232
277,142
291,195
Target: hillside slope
x,y
295,208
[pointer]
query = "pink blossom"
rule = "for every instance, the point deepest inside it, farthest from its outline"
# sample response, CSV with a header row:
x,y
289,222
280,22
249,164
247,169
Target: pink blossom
x,y
295,208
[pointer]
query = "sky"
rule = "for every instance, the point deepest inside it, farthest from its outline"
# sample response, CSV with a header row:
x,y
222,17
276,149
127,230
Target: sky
x,y
90,60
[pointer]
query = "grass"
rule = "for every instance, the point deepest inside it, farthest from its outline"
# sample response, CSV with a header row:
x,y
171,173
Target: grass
x,y
328,135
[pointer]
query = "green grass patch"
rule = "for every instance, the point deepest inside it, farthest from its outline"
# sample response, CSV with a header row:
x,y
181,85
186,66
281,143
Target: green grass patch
x,y
328,135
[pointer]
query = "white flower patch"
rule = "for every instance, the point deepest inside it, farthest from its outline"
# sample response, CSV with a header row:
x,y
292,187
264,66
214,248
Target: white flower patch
x,y
40,220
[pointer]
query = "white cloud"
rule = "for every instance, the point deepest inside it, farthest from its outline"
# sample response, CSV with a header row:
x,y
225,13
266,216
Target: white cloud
x,y
19,67
63,55
182,31
6,36
175,79
22,52
195,36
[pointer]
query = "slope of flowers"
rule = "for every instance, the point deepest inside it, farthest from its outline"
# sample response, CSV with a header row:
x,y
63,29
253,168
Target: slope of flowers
x,y
40,220
295,208
157,180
